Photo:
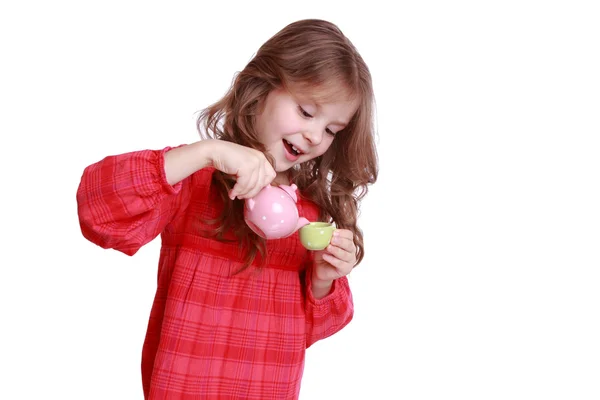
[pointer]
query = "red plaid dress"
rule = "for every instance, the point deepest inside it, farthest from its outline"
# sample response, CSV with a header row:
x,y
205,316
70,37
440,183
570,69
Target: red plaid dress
x,y
210,335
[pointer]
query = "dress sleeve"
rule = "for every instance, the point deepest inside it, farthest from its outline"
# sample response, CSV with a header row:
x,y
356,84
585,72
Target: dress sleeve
x,y
330,314
124,201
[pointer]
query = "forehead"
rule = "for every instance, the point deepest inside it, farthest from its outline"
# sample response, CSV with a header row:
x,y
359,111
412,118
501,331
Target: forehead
x,y
326,93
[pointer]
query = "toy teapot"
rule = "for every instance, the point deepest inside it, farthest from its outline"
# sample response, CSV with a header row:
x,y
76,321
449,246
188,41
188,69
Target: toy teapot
x,y
273,213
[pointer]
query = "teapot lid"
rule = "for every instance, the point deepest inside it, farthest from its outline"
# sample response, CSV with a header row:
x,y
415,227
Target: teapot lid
x,y
290,190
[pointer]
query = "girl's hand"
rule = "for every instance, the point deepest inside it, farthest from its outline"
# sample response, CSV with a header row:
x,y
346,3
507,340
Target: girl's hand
x,y
250,167
336,260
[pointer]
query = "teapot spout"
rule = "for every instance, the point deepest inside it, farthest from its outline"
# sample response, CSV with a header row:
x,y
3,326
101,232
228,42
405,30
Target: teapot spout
x,y
302,222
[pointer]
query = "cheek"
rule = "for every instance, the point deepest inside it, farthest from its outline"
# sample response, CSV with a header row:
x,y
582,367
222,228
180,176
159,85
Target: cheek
x,y
325,144
288,122
278,121
286,119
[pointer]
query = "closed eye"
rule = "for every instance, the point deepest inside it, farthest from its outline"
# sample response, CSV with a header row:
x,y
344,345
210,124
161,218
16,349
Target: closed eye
x,y
329,131
304,113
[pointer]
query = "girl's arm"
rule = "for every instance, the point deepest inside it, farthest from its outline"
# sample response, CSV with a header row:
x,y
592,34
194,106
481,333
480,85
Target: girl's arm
x,y
125,201
183,161
329,314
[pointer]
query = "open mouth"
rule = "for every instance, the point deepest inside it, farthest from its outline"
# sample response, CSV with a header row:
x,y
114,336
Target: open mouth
x,y
291,148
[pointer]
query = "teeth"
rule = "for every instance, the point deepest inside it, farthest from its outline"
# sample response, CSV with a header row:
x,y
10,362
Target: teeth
x,y
293,147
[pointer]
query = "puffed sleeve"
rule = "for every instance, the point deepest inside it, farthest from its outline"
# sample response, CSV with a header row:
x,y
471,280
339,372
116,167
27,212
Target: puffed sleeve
x,y
124,201
330,314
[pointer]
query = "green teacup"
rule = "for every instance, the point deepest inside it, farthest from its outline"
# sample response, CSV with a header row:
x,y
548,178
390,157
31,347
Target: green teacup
x,y
316,235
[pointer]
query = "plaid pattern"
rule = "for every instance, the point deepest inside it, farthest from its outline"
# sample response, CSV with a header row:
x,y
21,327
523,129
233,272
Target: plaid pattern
x,y
210,335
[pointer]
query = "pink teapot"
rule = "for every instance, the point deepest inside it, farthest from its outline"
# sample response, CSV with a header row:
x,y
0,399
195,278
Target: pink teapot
x,y
273,213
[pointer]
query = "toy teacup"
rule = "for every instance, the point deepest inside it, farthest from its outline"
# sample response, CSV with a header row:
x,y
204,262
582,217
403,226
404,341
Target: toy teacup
x,y
316,235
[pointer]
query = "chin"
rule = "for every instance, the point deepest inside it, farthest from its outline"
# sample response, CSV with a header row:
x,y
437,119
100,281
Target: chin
x,y
284,166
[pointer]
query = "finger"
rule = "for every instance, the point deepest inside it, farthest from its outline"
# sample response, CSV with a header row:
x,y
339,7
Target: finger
x,y
343,242
256,184
269,173
250,183
235,190
334,262
241,185
340,253
345,233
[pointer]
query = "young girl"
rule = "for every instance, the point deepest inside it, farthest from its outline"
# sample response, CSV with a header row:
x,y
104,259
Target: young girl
x,y
233,313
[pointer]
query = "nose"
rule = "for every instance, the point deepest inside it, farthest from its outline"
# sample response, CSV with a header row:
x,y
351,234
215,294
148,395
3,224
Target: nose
x,y
313,135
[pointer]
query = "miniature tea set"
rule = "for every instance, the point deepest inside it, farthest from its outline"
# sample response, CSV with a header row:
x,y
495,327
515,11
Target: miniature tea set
x,y
273,214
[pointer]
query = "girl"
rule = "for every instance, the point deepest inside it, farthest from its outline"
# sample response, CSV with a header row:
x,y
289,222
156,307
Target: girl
x,y
233,313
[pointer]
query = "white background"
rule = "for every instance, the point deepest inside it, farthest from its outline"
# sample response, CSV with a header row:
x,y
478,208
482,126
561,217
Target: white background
x,y
481,276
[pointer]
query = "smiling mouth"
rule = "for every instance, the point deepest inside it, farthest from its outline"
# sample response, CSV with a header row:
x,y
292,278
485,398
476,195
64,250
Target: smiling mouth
x,y
291,148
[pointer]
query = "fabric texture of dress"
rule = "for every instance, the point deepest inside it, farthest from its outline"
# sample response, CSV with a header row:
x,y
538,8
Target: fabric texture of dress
x,y
211,334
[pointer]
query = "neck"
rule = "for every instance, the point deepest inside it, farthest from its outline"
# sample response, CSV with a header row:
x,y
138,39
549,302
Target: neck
x,y
282,178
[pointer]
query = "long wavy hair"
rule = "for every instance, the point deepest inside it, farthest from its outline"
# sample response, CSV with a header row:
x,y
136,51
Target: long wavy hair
x,y
309,57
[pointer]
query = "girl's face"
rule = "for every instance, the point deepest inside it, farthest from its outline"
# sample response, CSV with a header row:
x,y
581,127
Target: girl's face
x,y
296,129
